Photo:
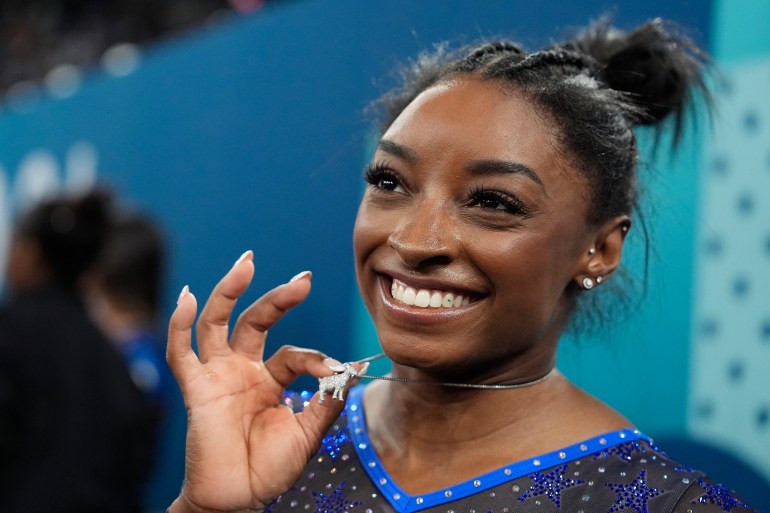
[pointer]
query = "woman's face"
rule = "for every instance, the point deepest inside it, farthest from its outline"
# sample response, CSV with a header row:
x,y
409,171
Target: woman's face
x,y
471,207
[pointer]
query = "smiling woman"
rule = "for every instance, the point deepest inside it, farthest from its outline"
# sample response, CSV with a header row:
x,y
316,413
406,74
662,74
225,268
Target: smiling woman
x,y
501,191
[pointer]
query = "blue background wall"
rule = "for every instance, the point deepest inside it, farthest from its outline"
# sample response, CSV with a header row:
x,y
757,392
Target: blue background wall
x,y
250,135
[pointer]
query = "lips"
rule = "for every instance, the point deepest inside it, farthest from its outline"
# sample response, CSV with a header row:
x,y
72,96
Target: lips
x,y
406,294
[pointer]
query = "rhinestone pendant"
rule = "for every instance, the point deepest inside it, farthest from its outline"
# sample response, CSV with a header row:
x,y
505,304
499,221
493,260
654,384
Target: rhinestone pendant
x,y
336,383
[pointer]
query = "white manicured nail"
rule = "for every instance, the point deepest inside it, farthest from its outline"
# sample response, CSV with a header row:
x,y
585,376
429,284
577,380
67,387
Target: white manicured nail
x,y
185,291
334,365
243,257
301,275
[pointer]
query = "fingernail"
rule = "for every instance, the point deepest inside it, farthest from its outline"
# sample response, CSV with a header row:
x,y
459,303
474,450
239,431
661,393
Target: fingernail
x,y
334,365
303,274
185,291
243,257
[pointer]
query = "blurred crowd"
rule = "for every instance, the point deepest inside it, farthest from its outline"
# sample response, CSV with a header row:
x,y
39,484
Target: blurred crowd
x,y
37,36
83,383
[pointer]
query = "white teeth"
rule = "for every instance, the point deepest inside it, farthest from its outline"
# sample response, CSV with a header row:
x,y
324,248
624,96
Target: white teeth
x,y
409,296
426,298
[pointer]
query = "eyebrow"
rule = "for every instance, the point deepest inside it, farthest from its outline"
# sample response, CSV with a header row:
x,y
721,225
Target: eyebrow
x,y
502,167
397,150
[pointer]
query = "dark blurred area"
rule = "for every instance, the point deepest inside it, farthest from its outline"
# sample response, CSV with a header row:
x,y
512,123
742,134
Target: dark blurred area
x,y
37,36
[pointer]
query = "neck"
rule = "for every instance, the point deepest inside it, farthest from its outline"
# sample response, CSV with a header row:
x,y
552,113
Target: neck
x,y
475,430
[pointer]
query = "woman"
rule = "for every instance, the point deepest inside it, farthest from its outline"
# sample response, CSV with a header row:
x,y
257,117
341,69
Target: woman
x,y
499,196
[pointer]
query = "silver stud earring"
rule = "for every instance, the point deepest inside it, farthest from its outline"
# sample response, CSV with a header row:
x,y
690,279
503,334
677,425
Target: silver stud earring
x,y
599,279
588,283
592,251
625,228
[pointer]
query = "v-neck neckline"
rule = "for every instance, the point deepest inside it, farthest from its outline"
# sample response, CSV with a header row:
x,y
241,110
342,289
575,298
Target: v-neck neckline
x,y
403,502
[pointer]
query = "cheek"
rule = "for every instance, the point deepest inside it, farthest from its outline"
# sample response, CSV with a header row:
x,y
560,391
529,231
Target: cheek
x,y
369,232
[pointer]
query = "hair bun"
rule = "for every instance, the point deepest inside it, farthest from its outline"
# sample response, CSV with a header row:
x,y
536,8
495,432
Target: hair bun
x,y
655,67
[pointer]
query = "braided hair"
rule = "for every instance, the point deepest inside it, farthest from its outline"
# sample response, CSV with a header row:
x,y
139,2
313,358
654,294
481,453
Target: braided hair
x,y
596,87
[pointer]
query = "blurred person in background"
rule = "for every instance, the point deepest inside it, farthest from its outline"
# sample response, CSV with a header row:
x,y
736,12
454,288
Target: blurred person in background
x,y
123,297
75,431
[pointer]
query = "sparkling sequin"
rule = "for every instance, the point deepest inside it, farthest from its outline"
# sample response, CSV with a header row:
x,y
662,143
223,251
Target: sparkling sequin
x,y
335,502
396,496
332,443
516,488
562,455
583,447
719,495
633,495
623,451
536,463
477,483
550,484
419,500
448,493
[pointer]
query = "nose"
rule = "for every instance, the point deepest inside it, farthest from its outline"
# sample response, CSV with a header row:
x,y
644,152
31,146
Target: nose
x,y
426,236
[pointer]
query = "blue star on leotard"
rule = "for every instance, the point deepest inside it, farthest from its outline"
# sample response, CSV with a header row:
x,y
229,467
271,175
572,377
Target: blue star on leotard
x,y
633,495
333,442
719,495
623,451
550,484
335,502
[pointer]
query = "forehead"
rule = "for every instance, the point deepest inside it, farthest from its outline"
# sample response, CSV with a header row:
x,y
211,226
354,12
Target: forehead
x,y
473,119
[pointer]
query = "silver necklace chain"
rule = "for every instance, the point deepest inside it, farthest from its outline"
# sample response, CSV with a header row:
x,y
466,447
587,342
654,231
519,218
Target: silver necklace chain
x,y
337,383
455,385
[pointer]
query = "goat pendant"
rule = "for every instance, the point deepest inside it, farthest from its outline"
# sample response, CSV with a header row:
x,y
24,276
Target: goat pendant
x,y
336,383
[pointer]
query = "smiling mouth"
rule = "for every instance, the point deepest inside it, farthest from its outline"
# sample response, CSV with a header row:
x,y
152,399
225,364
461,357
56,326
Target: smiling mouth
x,y
428,298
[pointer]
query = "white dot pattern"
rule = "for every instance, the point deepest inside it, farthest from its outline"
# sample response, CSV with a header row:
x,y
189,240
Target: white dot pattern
x,y
731,317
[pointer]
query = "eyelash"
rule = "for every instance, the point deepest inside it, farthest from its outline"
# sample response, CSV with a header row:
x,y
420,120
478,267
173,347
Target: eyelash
x,y
377,173
511,204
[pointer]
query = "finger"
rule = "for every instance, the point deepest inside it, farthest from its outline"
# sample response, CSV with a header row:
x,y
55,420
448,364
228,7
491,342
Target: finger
x,y
179,353
289,362
251,329
212,325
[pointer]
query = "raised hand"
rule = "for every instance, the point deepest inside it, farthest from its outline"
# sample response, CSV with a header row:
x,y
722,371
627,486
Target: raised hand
x,y
243,447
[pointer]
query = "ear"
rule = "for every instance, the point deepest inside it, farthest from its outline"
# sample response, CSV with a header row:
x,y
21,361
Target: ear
x,y
603,257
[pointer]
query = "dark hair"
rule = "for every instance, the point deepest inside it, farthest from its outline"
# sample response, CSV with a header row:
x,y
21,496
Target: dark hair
x,y
131,265
596,87
70,230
